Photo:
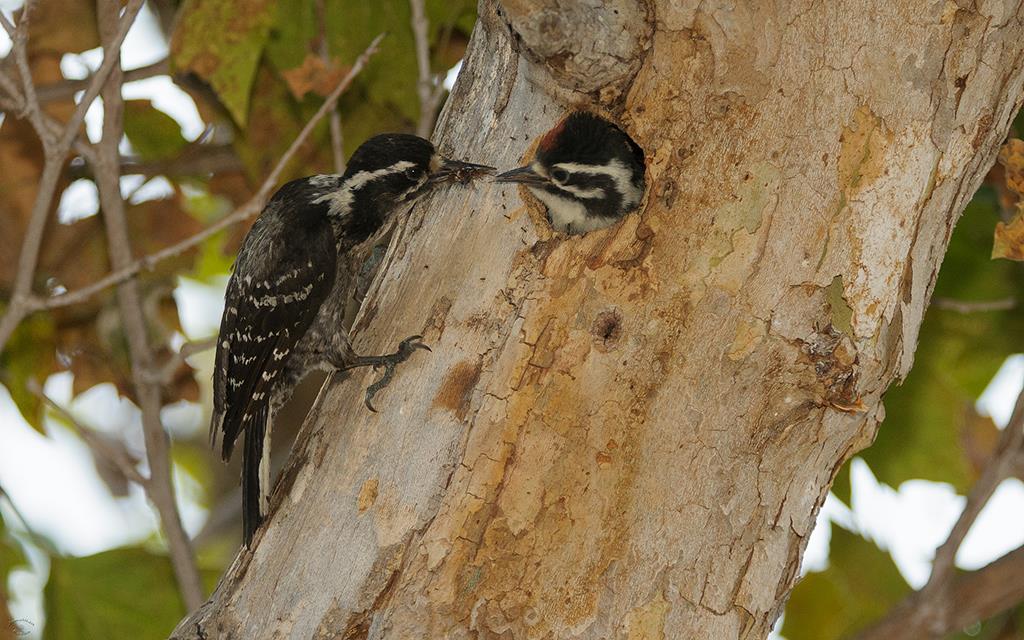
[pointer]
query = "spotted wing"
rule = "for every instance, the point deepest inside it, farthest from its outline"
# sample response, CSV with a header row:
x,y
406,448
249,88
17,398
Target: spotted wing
x,y
281,278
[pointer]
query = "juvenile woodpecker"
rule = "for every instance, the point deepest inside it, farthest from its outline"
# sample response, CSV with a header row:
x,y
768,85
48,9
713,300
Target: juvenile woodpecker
x,y
286,298
587,172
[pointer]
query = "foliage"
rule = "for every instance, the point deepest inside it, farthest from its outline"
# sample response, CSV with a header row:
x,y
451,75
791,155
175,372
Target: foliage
x,y
1009,236
122,593
860,585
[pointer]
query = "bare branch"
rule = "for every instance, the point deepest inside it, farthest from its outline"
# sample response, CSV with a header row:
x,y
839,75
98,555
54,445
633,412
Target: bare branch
x,y
974,596
21,302
935,600
247,210
428,88
68,88
160,488
99,444
30,103
337,141
196,160
8,27
965,307
110,58
165,373
335,117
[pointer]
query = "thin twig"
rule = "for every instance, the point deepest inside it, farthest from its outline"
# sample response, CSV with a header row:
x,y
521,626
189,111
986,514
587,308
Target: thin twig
x,y
965,306
110,58
165,373
20,303
195,160
30,104
935,594
36,539
253,206
428,88
160,488
8,27
335,117
68,88
99,445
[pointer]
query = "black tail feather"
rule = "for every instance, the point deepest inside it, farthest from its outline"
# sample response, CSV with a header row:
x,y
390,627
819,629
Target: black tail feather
x,y
251,490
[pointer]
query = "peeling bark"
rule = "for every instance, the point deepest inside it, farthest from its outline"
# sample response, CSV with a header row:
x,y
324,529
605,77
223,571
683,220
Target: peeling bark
x,y
629,434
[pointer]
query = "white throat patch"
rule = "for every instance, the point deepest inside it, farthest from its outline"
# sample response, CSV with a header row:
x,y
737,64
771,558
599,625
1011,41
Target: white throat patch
x,y
569,216
341,200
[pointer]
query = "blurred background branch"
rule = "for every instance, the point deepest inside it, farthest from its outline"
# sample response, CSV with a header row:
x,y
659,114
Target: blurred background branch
x,y
159,488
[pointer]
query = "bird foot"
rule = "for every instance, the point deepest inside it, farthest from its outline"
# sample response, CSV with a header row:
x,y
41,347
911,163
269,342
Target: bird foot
x,y
389,362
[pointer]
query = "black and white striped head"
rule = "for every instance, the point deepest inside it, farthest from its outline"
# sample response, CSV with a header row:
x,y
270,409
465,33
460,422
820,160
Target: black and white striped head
x,y
587,172
389,169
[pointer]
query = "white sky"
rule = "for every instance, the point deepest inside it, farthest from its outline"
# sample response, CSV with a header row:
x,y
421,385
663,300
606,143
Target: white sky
x,y
52,480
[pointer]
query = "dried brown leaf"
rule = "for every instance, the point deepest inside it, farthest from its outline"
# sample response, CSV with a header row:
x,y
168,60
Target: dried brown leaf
x,y
1011,156
63,27
314,75
1009,238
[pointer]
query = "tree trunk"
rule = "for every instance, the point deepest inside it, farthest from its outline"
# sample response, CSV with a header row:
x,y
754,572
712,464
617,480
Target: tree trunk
x,y
628,434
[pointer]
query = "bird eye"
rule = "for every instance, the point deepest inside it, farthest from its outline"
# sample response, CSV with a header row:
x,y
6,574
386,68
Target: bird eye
x,y
559,175
413,173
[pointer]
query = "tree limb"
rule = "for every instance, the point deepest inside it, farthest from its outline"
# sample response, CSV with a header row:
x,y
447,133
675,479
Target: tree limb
x,y
975,306
99,445
428,88
974,596
337,151
160,488
30,107
198,160
937,604
68,88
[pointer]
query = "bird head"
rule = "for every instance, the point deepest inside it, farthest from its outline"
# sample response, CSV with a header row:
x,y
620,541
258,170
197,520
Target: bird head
x,y
395,167
586,170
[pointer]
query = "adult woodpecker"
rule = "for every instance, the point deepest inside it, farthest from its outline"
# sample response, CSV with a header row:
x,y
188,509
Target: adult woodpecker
x,y
587,172
286,298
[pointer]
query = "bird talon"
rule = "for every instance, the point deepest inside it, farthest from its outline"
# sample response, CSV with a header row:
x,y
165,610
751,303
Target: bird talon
x,y
390,364
408,346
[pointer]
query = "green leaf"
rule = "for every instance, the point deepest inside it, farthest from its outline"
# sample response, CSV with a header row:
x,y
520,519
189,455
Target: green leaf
x,y
860,585
957,355
152,133
29,355
212,260
11,553
122,593
382,98
221,41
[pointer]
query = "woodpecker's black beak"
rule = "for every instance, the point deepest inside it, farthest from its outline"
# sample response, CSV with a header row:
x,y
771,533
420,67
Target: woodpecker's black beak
x,y
459,171
523,175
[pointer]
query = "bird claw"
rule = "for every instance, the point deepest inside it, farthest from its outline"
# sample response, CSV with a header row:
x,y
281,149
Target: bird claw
x,y
390,363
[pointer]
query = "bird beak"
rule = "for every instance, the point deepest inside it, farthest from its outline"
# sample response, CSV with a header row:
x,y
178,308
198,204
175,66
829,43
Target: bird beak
x,y
523,175
459,171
